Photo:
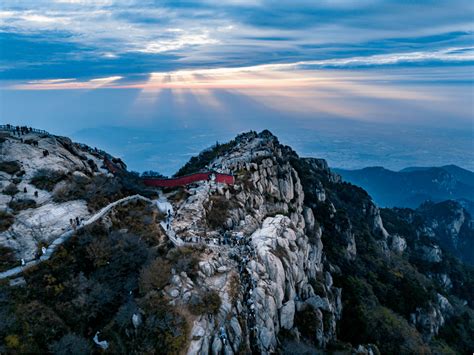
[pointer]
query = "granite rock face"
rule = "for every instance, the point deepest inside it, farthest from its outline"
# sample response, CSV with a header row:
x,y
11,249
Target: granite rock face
x,y
282,252
39,218
276,251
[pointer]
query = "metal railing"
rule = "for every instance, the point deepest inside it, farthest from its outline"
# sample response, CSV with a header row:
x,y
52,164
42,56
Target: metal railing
x,y
12,128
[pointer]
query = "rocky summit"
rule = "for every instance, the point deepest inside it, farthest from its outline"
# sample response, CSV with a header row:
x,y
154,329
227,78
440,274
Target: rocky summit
x,y
286,259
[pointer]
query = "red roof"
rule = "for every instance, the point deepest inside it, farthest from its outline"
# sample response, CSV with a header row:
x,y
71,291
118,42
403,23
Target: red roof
x,y
189,179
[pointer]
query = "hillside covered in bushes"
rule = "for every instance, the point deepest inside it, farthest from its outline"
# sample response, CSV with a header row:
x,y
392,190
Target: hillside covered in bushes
x,y
289,259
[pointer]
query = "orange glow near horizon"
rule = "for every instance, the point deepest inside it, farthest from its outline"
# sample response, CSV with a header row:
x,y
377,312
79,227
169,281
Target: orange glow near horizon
x,y
282,87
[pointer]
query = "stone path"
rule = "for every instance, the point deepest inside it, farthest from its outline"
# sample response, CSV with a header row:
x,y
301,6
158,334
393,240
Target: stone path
x,y
240,247
242,252
66,235
245,254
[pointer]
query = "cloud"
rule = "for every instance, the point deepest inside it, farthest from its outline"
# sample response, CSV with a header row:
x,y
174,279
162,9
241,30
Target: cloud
x,y
295,75
102,38
67,84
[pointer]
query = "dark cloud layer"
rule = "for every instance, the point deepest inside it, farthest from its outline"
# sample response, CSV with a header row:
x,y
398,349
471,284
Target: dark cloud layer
x,y
47,39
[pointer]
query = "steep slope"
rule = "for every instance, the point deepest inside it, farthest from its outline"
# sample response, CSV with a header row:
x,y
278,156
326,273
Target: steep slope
x,y
446,223
393,280
412,186
289,259
45,182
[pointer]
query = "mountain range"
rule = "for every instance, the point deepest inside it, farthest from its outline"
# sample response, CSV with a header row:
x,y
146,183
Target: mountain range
x,y
412,186
287,258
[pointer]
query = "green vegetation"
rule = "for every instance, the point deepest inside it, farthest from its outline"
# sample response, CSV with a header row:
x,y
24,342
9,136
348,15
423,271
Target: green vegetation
x,y
7,258
382,289
10,190
154,174
6,220
206,302
198,163
71,344
308,322
97,281
10,167
164,330
179,195
46,179
184,260
217,211
365,321
22,204
98,190
457,331
155,276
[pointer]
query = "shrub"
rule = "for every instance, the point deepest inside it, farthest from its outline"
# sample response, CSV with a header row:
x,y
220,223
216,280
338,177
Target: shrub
x,y
92,165
12,341
99,252
151,173
23,204
199,162
123,317
10,167
46,179
71,344
234,288
184,260
98,191
180,195
41,323
6,220
140,216
457,331
11,190
7,258
393,334
217,211
164,330
308,322
155,276
280,252
207,302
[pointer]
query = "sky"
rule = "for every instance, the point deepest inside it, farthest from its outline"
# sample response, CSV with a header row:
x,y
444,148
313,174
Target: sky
x,y
359,83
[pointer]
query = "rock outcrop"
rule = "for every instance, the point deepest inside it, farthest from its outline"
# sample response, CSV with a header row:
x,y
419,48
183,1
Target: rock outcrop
x,y
282,252
288,259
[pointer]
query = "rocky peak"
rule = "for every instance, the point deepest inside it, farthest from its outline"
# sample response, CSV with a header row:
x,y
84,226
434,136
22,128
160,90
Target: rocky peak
x,y
288,258
45,181
266,208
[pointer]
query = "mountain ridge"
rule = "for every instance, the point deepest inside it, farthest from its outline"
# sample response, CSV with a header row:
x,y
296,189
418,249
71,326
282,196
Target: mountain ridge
x,y
410,187
287,259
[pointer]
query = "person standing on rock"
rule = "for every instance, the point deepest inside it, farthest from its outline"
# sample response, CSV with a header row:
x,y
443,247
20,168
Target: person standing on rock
x,y
223,335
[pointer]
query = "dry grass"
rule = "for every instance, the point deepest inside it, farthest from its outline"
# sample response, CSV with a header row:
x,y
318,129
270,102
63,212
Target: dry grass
x,y
205,302
140,217
217,211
